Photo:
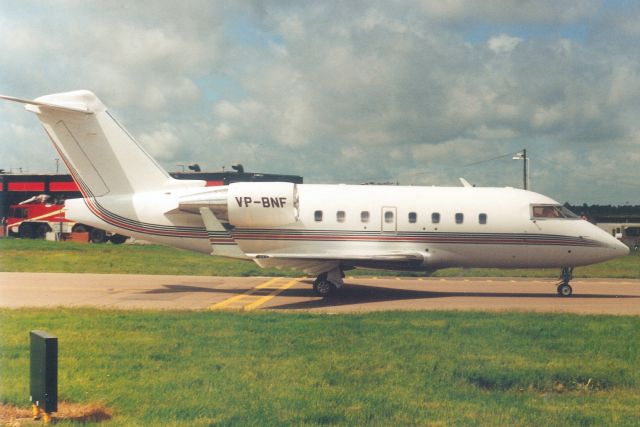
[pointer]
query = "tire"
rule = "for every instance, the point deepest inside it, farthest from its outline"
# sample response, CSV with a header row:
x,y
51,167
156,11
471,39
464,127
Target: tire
x,y
324,288
97,235
41,231
26,231
118,239
565,290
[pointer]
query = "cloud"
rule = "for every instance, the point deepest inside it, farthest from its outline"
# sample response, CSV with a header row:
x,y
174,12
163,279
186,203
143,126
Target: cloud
x,y
503,43
346,91
163,143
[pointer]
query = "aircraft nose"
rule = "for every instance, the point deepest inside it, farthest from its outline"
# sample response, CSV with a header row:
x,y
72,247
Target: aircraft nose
x,y
622,248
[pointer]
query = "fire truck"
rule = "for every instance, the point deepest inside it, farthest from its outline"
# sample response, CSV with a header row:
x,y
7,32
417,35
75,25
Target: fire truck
x,y
39,215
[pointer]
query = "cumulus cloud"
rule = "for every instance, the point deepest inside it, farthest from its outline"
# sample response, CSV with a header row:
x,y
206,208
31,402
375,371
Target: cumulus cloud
x,y
347,91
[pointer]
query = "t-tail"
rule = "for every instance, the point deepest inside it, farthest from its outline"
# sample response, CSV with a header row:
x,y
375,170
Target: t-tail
x,y
101,155
124,189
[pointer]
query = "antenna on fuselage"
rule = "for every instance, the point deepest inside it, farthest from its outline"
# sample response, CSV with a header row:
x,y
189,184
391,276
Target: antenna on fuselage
x,y
464,182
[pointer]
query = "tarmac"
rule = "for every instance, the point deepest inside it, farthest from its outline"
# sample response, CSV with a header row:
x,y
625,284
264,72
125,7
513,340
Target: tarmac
x,y
360,294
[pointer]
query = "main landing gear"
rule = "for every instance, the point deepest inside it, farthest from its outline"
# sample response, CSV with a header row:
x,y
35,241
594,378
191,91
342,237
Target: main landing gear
x,y
564,288
327,284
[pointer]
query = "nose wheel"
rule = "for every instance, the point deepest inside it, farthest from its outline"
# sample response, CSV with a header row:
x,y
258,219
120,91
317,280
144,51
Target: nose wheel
x,y
564,288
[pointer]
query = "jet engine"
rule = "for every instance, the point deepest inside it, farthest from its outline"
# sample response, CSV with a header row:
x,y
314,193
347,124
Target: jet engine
x,y
248,204
262,204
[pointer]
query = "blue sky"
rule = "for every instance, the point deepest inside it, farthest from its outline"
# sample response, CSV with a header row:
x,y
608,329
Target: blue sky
x,y
409,91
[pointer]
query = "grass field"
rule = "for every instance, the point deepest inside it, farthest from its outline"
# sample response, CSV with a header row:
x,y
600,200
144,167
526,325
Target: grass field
x,y
39,255
216,368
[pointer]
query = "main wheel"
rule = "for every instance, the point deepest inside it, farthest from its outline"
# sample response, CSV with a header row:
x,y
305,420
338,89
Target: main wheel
x,y
118,239
324,288
97,236
25,231
565,290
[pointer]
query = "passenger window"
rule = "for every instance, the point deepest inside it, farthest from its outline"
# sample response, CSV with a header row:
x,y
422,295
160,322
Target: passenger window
x,y
459,218
364,216
413,217
482,218
340,216
317,215
388,217
435,217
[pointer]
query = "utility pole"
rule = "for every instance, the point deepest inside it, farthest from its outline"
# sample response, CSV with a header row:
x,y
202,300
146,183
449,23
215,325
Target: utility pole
x,y
57,165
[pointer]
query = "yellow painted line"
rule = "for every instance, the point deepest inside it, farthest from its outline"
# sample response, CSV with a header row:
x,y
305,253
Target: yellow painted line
x,y
243,295
273,294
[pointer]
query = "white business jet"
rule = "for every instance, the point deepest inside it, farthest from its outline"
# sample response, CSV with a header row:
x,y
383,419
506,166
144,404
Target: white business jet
x,y
320,229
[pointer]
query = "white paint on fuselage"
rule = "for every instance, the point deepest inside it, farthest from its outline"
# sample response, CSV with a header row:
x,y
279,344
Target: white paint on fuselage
x,y
507,211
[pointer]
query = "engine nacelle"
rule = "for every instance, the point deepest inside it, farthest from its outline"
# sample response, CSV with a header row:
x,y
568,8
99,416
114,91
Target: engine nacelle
x,y
262,204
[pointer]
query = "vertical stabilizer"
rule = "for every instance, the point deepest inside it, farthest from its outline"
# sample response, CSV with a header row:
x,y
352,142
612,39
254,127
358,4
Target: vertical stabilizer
x,y
102,156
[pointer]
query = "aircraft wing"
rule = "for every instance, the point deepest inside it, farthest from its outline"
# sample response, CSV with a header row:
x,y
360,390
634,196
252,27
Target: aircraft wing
x,y
314,263
388,257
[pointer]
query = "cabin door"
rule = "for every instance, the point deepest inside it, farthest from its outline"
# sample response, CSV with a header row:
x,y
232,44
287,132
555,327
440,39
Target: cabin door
x,y
389,219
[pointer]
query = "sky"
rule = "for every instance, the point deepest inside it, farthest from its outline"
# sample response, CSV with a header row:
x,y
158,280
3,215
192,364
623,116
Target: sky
x,y
415,92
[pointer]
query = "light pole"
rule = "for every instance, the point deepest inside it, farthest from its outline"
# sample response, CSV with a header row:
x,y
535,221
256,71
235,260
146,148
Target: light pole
x,y
525,166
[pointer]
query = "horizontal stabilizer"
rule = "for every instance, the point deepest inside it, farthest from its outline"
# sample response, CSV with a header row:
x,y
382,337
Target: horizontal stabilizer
x,y
77,107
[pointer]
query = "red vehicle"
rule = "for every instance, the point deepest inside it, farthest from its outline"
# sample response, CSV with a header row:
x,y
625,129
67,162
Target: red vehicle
x,y
35,217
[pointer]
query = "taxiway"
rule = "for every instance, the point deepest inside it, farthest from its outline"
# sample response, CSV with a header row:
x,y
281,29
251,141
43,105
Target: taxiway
x,y
360,294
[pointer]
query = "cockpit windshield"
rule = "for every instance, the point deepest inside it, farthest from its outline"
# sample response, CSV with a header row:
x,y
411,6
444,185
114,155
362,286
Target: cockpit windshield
x,y
551,211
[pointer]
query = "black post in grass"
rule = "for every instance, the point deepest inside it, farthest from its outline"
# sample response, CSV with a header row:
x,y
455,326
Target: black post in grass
x,y
44,374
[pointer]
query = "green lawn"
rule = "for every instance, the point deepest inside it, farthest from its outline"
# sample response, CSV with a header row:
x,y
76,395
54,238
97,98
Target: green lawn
x,y
39,255
395,368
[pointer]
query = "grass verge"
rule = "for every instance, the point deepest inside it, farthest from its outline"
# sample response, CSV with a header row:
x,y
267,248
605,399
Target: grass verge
x,y
43,256
395,368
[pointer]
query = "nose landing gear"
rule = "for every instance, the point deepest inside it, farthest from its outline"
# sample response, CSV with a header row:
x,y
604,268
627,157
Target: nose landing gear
x,y
564,288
